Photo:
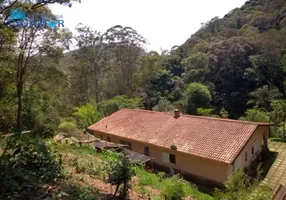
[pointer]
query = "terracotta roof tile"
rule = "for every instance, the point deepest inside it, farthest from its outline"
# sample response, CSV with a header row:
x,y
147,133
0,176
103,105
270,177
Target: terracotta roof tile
x,y
212,138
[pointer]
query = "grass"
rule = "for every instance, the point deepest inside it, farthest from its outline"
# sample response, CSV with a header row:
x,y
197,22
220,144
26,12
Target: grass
x,y
278,139
87,161
159,183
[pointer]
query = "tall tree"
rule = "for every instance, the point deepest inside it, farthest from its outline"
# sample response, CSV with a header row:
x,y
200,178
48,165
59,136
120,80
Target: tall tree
x,y
197,96
35,47
91,51
126,46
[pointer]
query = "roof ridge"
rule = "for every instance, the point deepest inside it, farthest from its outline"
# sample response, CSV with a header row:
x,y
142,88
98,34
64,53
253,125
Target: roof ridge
x,y
200,117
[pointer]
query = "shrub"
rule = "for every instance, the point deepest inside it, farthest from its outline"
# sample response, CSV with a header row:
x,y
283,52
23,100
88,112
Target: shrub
x,y
121,173
67,127
174,189
241,186
25,164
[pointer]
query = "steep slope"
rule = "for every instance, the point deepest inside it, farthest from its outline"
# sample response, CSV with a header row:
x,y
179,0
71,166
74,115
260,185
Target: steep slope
x,y
239,53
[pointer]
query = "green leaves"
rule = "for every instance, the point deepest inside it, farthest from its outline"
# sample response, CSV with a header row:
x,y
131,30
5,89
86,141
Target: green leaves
x,y
197,96
256,115
26,164
107,107
86,115
121,173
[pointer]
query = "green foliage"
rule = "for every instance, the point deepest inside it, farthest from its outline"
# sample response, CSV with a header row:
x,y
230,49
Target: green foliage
x,y
107,107
174,190
196,67
163,86
197,96
278,117
27,163
240,186
204,111
164,106
67,127
256,115
86,115
7,116
223,113
121,172
263,96
160,182
40,114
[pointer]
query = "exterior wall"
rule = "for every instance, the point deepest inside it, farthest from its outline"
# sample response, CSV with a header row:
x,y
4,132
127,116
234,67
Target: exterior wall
x,y
257,138
185,163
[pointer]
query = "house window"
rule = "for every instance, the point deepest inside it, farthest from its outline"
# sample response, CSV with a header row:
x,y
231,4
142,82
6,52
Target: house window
x,y
126,143
165,157
252,150
168,158
108,139
245,156
172,158
146,151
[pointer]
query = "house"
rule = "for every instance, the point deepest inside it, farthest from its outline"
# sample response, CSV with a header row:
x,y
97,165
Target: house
x,y
199,147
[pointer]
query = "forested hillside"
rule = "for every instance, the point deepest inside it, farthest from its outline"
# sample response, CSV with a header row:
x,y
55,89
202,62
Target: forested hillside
x,y
234,67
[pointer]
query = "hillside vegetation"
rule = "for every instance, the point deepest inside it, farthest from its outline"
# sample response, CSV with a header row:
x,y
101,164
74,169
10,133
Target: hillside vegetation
x,y
234,67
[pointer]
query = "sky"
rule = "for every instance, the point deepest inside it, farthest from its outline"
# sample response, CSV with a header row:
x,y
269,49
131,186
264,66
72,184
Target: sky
x,y
164,23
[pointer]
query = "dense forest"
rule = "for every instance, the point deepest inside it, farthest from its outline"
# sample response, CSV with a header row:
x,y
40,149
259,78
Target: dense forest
x,y
233,67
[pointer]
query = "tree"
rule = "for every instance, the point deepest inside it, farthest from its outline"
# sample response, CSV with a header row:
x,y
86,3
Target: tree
x,y
107,107
86,115
263,96
197,96
164,106
256,114
121,173
91,52
126,47
150,67
196,67
163,86
278,116
35,46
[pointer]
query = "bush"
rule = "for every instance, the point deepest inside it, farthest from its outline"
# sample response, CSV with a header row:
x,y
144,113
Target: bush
x,y
121,173
241,186
67,127
174,189
25,165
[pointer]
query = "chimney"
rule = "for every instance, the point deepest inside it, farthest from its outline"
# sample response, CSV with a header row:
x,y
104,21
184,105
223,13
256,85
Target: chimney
x,y
176,113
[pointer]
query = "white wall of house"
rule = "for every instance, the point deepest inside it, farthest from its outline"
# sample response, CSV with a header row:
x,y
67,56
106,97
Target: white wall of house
x,y
252,149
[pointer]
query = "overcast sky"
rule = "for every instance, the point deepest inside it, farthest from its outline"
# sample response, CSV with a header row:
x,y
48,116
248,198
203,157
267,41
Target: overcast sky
x,y
164,23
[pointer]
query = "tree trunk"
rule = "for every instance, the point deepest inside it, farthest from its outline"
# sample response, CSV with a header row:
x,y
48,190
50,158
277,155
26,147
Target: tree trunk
x,y
116,190
96,91
19,104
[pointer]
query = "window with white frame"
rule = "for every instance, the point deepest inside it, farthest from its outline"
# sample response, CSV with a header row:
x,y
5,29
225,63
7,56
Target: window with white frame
x,y
254,148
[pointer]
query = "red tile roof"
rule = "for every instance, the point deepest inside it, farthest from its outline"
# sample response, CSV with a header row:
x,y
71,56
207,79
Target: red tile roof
x,y
212,138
